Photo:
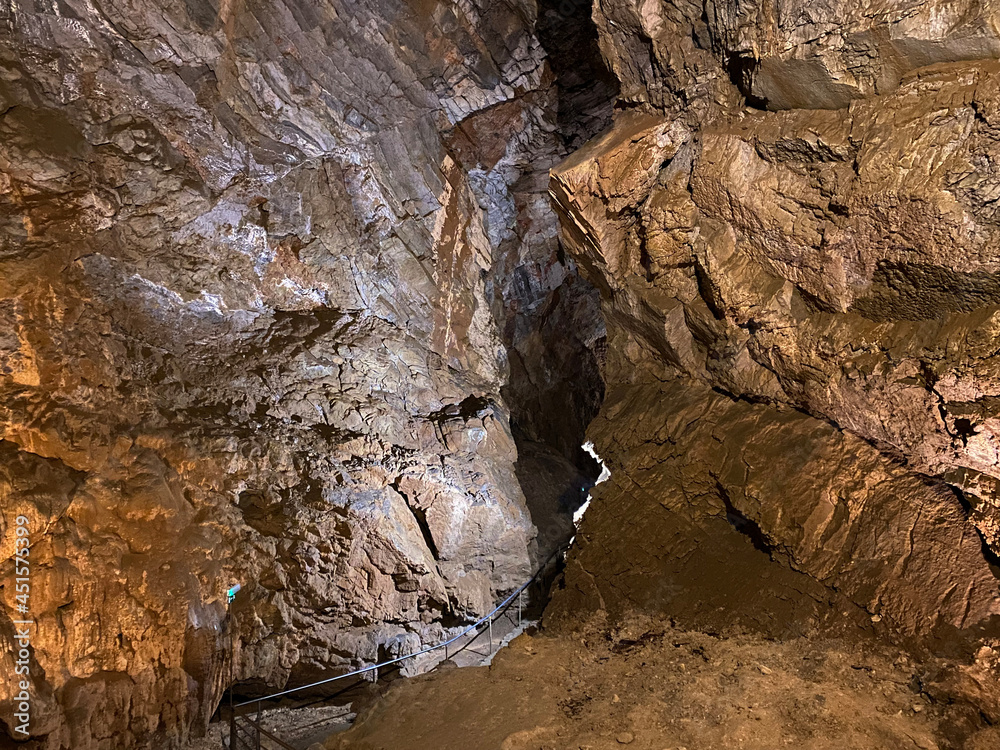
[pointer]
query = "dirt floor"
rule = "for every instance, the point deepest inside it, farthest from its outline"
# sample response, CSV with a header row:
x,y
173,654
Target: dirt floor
x,y
652,687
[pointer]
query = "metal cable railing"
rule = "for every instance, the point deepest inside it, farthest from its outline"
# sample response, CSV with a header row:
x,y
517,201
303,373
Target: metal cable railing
x,y
248,732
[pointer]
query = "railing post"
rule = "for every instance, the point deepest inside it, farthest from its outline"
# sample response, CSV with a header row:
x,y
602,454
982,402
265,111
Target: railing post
x,y
250,734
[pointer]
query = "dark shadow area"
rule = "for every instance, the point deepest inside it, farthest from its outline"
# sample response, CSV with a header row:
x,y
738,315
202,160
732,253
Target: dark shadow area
x,y
746,526
550,317
741,69
587,89
555,488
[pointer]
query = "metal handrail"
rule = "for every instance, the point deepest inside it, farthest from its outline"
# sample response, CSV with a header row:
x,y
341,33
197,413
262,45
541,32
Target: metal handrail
x,y
261,732
444,644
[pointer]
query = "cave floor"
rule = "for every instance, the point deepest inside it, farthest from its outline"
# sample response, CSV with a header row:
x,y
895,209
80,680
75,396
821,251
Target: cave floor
x,y
653,687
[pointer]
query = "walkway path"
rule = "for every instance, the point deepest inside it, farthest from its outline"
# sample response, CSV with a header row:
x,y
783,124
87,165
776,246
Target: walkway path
x,y
475,646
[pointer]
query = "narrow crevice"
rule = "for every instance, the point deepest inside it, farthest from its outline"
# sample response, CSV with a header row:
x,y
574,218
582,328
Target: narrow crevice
x,y
745,526
420,516
587,89
741,69
991,557
554,334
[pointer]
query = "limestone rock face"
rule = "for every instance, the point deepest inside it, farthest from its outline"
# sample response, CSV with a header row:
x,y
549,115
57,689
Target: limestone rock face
x,y
802,310
855,535
257,312
785,54
822,55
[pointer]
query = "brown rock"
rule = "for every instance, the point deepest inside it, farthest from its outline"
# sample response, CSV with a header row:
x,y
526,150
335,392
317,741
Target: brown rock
x,y
257,313
826,274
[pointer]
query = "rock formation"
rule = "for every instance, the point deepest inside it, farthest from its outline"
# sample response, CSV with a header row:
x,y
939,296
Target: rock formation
x,y
265,268
282,300
802,310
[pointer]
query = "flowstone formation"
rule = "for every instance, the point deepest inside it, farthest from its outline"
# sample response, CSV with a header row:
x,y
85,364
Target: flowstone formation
x,y
793,227
263,269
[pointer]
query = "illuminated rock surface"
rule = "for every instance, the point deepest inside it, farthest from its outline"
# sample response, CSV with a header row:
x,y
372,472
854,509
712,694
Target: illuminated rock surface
x,y
802,338
281,297
270,275
792,227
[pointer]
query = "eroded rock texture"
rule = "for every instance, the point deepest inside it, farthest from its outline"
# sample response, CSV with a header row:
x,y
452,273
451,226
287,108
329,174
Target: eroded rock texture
x,y
803,315
263,268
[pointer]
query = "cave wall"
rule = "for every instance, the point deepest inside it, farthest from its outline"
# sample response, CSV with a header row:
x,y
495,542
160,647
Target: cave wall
x,y
281,285
802,319
263,270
